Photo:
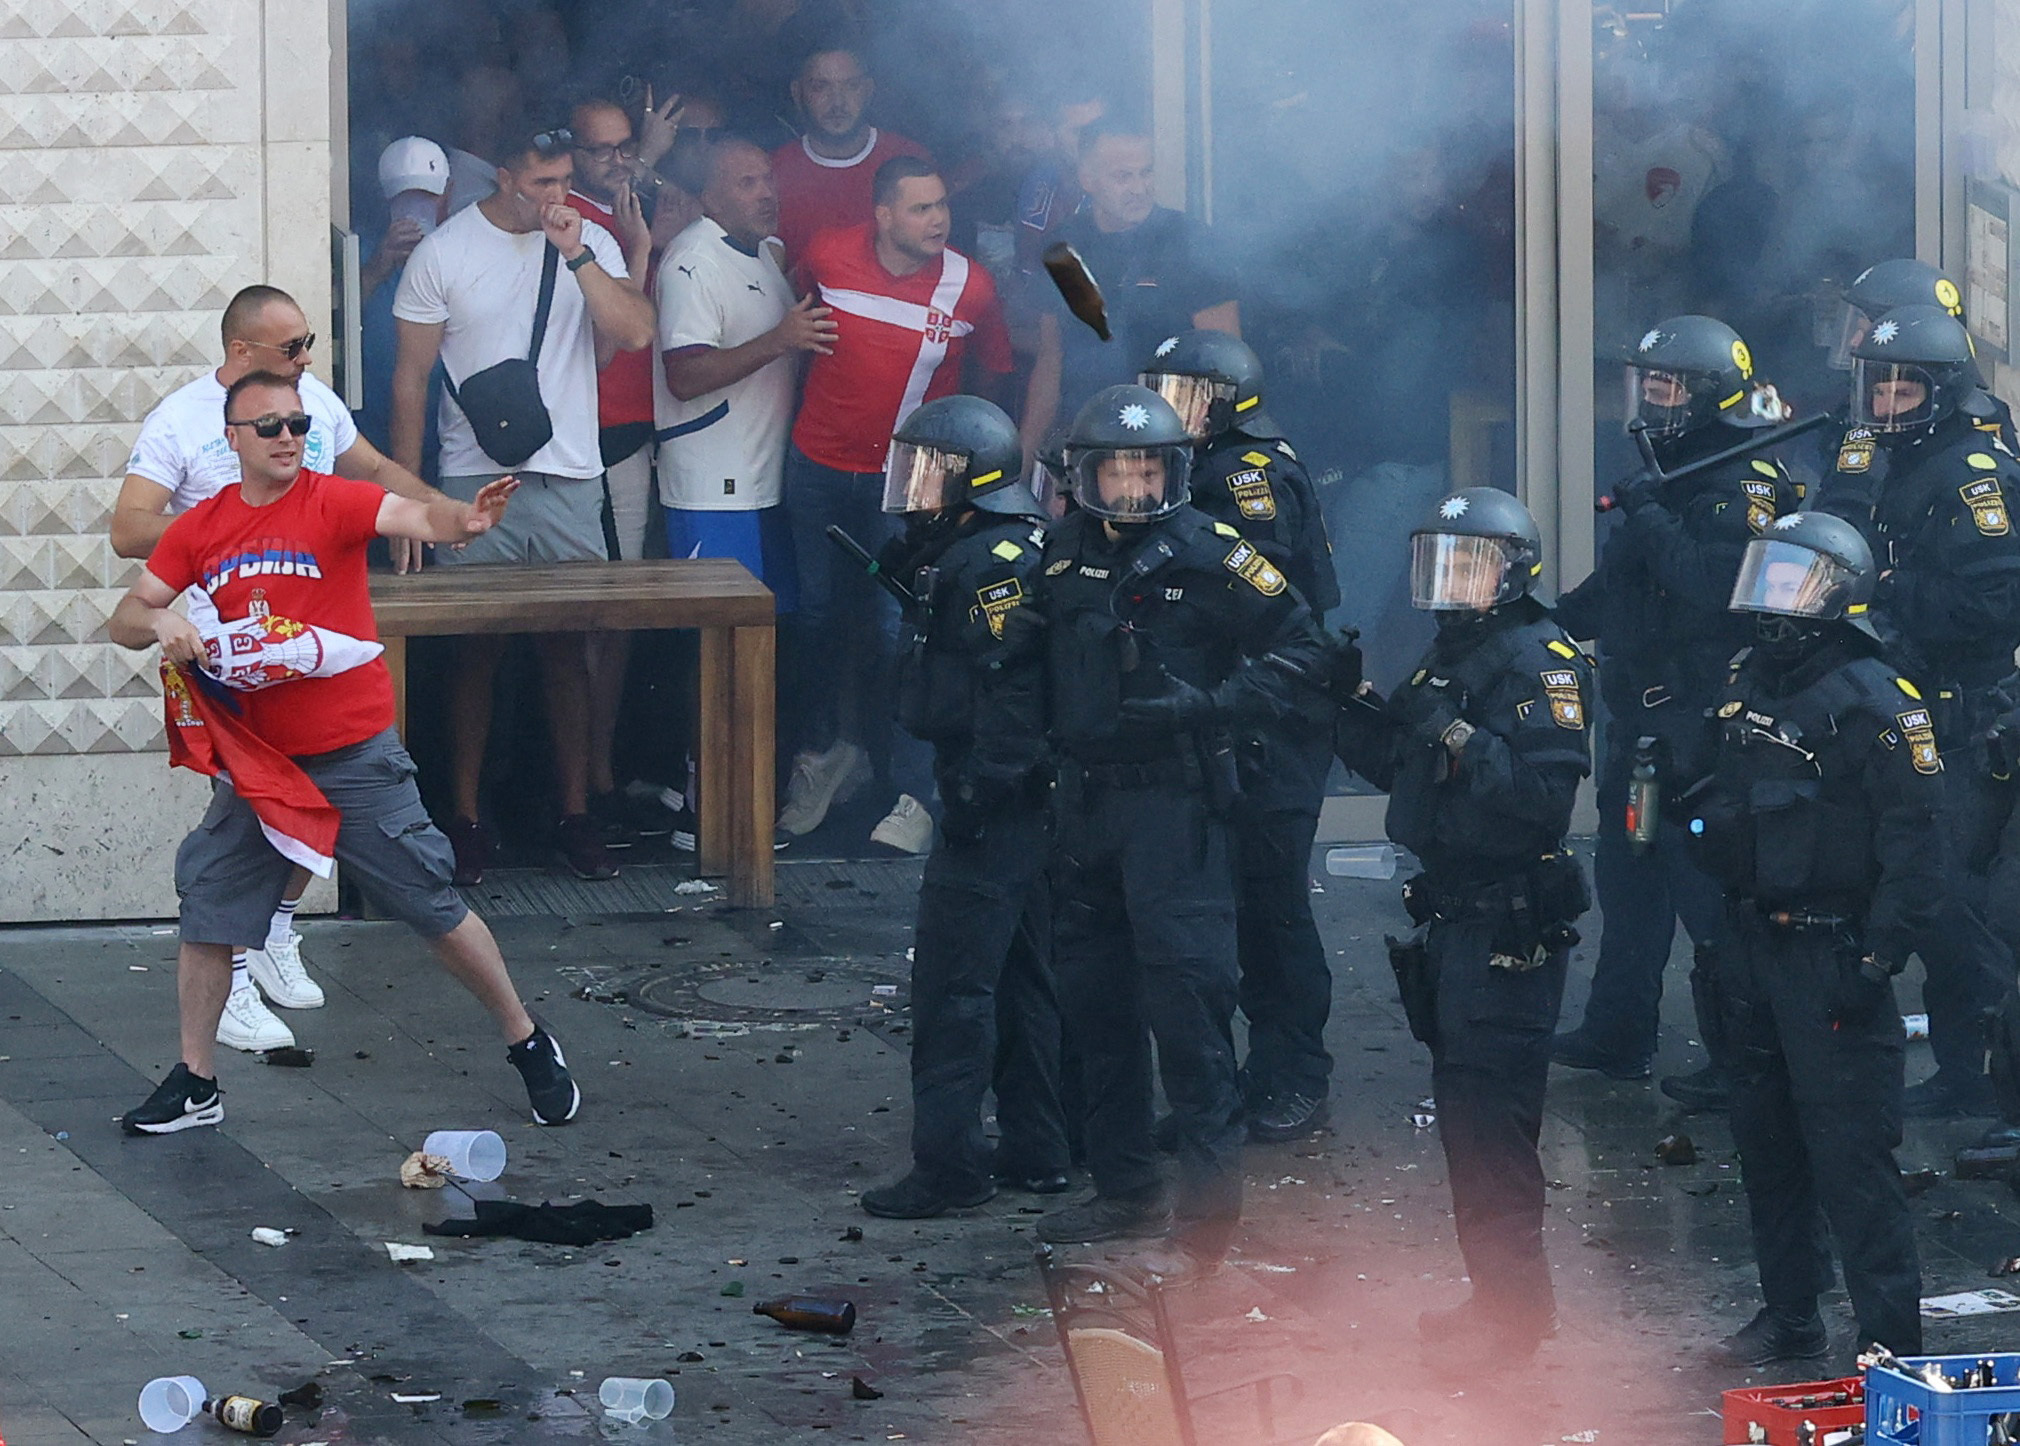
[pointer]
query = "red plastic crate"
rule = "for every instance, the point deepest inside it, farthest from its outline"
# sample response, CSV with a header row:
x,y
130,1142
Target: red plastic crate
x,y
1780,1409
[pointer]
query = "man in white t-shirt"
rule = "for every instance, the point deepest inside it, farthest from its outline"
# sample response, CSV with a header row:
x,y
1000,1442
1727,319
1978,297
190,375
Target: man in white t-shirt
x,y
729,339
182,457
468,299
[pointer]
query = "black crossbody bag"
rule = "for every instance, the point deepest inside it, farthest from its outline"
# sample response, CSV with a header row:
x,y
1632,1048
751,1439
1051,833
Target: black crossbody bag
x,y
503,401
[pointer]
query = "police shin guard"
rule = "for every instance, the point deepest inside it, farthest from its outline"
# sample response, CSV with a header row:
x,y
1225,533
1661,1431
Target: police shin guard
x,y
1707,1088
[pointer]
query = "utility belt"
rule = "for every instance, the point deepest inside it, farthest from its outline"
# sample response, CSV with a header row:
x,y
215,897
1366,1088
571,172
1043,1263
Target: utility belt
x,y
1531,911
1821,916
1201,765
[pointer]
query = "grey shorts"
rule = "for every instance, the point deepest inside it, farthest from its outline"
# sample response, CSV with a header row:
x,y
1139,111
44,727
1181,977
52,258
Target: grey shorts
x,y
230,879
550,519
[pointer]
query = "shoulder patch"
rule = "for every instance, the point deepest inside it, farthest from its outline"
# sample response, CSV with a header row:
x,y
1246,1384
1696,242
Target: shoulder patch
x,y
1856,452
1256,459
1919,733
1058,567
1247,563
1766,469
1224,530
1561,648
1007,550
1909,688
1730,709
1567,706
997,600
1983,461
1988,506
1254,498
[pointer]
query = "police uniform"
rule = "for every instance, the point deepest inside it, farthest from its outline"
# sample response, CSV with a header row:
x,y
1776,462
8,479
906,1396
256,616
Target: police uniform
x,y
1144,923
1496,896
1257,485
983,1004
1948,609
1657,604
1817,821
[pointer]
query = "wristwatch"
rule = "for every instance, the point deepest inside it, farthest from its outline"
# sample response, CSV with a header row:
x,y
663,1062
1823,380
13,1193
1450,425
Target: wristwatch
x,y
582,259
1454,738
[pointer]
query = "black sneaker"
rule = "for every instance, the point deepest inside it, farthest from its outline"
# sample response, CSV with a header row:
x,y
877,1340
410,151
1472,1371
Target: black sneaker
x,y
917,1198
1774,1335
549,1085
583,849
1286,1117
613,825
1701,1090
472,843
1575,1049
1143,1216
181,1102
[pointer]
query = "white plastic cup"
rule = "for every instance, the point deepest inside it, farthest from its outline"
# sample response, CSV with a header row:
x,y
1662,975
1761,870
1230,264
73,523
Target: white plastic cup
x,y
169,1403
472,1154
635,1399
1362,861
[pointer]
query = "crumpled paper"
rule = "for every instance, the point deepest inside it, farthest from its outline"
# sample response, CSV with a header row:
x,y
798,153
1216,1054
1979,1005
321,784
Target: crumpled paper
x,y
424,1172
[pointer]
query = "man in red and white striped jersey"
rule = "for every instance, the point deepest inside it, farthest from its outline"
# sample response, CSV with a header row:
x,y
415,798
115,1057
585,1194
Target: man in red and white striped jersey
x,y
911,315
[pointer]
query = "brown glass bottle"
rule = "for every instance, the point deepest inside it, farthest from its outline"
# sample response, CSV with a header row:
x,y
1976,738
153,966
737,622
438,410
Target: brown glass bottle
x,y
244,1414
808,1313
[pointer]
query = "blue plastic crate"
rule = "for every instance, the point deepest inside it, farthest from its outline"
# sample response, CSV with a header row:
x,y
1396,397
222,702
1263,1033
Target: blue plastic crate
x,y
1902,1411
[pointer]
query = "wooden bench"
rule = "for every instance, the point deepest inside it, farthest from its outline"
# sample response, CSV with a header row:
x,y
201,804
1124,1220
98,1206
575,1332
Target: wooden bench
x,y
732,610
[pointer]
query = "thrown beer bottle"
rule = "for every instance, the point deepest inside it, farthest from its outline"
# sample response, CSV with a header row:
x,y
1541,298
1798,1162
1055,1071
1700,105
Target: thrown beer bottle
x,y
808,1313
245,1415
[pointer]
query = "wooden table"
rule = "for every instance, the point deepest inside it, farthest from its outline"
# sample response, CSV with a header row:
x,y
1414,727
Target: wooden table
x,y
732,610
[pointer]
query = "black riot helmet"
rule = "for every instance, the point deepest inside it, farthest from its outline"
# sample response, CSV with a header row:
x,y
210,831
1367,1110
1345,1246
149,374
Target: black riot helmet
x,y
1478,550
1883,286
1808,566
1128,456
1912,369
1687,371
1212,380
956,453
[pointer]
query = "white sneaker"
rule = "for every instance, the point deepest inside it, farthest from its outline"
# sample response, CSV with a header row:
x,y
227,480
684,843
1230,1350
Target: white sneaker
x,y
278,971
249,1025
820,781
907,827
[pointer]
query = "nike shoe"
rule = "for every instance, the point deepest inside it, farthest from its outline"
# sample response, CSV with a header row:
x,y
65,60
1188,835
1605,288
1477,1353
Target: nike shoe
x,y
549,1086
180,1102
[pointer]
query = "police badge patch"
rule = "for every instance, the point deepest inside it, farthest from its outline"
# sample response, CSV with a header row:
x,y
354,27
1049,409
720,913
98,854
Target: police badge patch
x,y
1855,453
1988,506
1760,504
1058,567
1567,708
996,601
1246,563
1253,496
1920,736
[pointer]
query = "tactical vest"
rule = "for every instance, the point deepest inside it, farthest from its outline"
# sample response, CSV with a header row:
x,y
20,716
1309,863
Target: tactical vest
x,y
939,663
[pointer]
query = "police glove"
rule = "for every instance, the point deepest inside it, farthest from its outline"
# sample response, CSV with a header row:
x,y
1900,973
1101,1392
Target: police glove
x,y
1341,659
1636,493
1440,726
965,809
1865,988
1179,707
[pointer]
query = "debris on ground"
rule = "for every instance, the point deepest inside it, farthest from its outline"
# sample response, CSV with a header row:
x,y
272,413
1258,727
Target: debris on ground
x,y
421,1171
1677,1149
694,886
586,1222
289,1056
862,1390
306,1397
267,1235
1969,1302
401,1254
1917,1182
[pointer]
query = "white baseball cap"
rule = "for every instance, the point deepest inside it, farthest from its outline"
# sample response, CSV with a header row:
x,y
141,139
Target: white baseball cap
x,y
413,163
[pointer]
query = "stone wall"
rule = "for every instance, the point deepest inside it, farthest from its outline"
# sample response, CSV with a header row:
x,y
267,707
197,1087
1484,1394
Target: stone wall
x,y
155,156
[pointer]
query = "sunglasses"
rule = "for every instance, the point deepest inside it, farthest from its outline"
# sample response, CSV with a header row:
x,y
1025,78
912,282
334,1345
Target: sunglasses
x,y
292,350
270,425
553,142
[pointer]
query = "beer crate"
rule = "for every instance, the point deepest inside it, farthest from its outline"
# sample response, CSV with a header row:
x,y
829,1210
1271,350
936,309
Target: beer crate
x,y
1779,1410
1902,1411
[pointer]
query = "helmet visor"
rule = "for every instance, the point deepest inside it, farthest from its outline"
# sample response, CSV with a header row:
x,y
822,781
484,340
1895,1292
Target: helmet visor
x,y
1130,484
1852,325
1193,398
920,478
1892,396
1658,399
1450,573
1790,581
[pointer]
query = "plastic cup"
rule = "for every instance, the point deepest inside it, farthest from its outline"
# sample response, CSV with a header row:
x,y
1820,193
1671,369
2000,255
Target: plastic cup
x,y
472,1154
635,1399
169,1403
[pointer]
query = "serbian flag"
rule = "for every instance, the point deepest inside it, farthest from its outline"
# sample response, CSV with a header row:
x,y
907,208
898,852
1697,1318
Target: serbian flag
x,y
206,734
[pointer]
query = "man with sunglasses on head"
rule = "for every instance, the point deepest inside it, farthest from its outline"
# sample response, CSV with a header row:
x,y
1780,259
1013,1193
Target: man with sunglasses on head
x,y
290,544
182,458
470,300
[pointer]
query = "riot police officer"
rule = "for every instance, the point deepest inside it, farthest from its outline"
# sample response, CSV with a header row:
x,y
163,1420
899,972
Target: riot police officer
x,y
1481,752
1245,474
1657,606
1817,819
983,1002
1946,605
1163,633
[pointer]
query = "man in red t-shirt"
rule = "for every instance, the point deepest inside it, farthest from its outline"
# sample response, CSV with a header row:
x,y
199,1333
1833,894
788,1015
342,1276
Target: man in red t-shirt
x,y
291,544
827,177
909,313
